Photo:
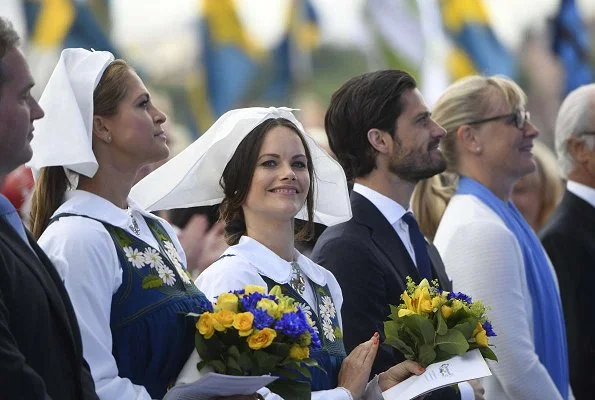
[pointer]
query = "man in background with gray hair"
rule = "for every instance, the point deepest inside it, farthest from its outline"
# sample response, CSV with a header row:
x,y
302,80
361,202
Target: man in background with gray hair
x,y
569,235
41,355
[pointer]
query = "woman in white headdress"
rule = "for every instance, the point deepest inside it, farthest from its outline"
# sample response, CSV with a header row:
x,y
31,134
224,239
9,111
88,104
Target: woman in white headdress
x,y
265,171
124,268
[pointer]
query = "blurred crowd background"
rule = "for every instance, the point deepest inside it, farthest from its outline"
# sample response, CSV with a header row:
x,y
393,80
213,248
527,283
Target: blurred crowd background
x,y
201,58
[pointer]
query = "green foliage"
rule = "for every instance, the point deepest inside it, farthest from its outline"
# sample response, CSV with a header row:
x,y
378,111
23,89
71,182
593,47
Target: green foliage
x,y
435,326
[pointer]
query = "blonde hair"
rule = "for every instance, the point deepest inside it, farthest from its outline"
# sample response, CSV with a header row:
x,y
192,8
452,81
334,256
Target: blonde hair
x,y
52,183
467,100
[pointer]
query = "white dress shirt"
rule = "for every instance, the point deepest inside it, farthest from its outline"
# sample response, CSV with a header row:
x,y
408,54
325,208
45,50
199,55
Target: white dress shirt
x,y
393,212
585,192
85,256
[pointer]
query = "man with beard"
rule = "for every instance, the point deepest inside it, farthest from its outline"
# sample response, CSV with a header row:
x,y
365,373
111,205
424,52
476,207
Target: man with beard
x,y
384,137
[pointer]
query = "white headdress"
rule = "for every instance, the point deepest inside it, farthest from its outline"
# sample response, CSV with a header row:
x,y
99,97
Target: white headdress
x,y
64,136
192,177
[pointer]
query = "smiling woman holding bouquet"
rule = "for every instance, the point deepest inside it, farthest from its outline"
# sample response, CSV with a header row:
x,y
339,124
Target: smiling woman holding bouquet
x,y
266,171
489,250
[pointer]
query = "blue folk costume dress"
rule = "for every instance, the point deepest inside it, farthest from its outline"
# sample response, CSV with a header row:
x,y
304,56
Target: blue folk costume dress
x,y
251,263
151,337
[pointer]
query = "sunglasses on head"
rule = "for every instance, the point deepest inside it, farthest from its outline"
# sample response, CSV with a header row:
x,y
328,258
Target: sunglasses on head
x,y
519,117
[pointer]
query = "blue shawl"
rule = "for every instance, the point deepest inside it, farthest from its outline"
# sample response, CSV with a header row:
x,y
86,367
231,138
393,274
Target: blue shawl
x,y
548,320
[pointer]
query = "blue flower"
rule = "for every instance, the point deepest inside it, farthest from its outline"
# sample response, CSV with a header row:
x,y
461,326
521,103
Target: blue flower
x,y
487,326
292,324
262,319
315,339
459,296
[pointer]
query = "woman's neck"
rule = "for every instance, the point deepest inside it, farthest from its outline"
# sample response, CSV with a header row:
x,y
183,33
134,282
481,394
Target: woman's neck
x,y
278,236
500,185
109,183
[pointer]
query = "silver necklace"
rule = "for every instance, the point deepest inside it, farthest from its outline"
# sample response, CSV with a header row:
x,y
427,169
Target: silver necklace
x,y
297,280
133,225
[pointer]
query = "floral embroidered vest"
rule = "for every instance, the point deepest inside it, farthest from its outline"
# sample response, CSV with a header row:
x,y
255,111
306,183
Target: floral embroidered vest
x,y
326,323
152,338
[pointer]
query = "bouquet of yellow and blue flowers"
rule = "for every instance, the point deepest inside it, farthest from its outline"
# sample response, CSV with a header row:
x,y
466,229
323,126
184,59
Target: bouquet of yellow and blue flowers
x,y
432,325
250,332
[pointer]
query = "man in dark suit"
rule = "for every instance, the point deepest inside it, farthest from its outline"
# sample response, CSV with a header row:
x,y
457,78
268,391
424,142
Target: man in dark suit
x,y
569,235
382,133
40,345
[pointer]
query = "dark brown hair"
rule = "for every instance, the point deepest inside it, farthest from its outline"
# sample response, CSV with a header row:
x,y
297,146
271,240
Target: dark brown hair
x,y
237,179
9,39
372,100
52,182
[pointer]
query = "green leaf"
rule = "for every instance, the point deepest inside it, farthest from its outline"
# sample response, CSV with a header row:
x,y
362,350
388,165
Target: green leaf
x,y
421,327
441,327
394,312
426,354
234,353
466,326
452,342
151,282
486,352
400,345
265,362
291,390
218,366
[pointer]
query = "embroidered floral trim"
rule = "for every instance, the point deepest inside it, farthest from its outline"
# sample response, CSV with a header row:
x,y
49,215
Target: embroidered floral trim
x,y
173,255
327,311
135,257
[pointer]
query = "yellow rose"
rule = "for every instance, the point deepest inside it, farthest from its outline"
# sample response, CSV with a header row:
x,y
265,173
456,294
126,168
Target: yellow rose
x,y
403,312
298,352
225,319
408,302
482,339
269,306
262,339
249,289
207,325
227,301
422,300
480,335
243,323
446,311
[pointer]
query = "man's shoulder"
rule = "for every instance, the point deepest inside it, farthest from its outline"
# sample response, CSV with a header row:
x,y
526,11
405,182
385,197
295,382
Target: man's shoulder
x,y
345,233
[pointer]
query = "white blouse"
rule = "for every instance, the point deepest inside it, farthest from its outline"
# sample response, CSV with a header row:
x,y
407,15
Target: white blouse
x,y
84,254
250,260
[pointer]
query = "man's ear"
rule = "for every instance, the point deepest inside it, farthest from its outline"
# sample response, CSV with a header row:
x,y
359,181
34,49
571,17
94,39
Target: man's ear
x,y
381,141
578,150
101,129
470,141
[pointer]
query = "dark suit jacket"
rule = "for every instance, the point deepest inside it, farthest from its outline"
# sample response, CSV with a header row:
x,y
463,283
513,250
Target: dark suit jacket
x,y
370,263
40,344
569,239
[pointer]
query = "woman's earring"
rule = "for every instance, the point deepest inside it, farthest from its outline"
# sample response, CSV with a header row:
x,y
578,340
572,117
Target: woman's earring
x,y
109,139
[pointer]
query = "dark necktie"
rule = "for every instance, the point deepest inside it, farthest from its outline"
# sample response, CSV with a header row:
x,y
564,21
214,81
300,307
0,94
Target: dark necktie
x,y
419,247
10,215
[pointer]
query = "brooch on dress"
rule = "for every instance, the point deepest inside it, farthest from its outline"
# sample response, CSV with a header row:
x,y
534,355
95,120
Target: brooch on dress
x,y
297,280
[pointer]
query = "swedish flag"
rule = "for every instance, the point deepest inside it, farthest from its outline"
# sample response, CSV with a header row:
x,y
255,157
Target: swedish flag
x,y
477,49
571,44
65,23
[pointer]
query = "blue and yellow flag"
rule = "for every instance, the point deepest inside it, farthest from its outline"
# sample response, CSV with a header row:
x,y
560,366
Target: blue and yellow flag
x,y
301,38
229,59
477,49
571,45
65,23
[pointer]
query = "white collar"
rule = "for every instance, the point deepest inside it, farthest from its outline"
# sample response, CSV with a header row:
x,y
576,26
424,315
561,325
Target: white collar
x,y
391,210
271,265
585,192
94,206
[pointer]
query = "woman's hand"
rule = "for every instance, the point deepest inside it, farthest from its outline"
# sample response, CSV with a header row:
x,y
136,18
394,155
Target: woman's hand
x,y
355,370
398,374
